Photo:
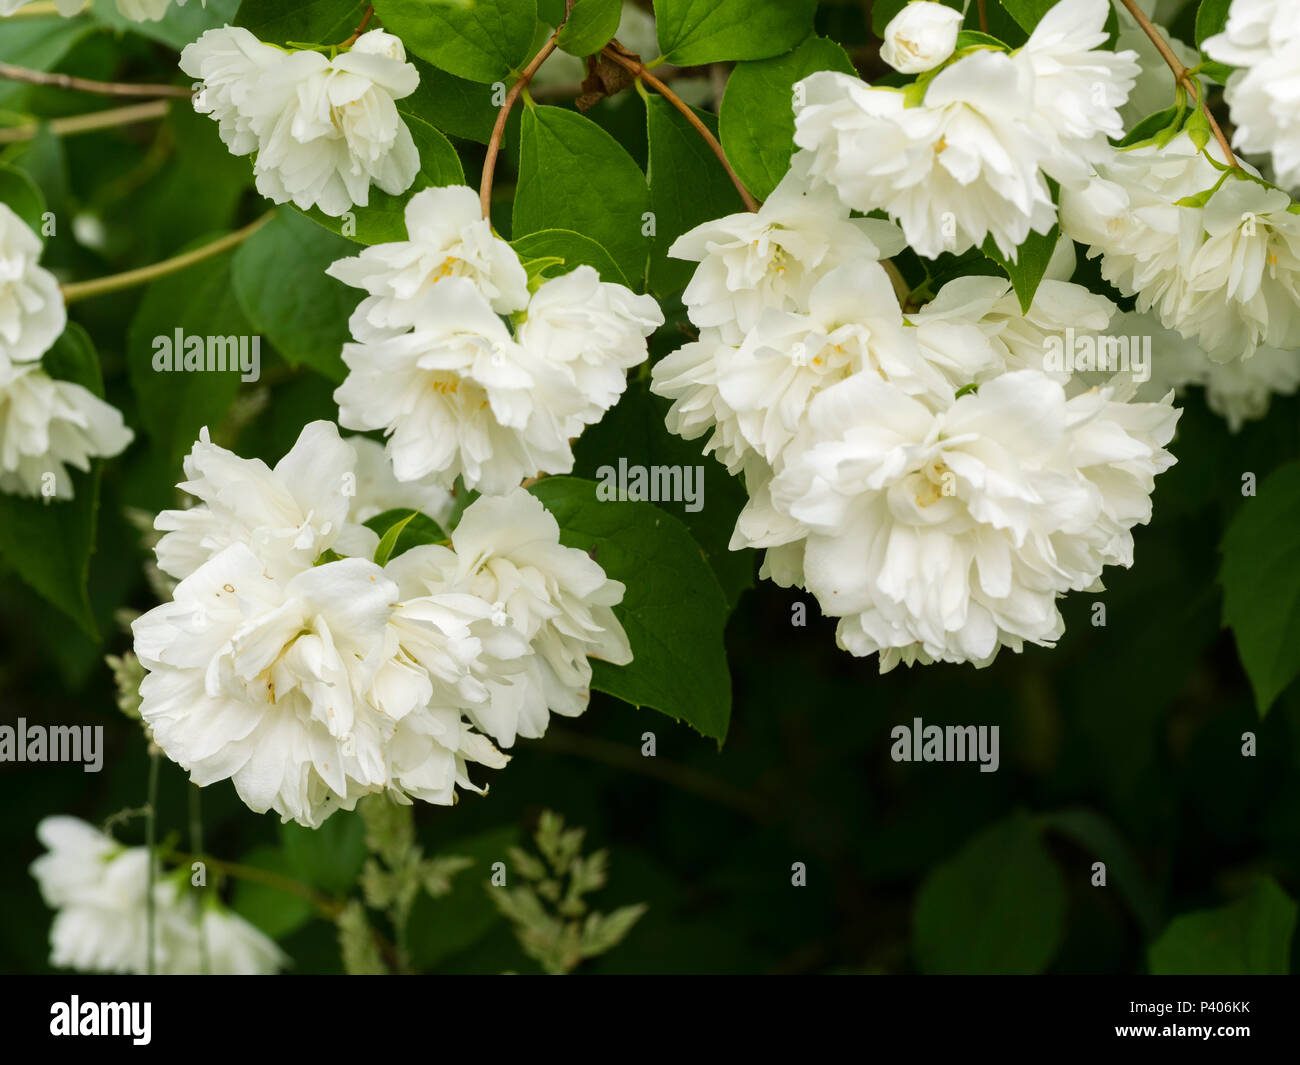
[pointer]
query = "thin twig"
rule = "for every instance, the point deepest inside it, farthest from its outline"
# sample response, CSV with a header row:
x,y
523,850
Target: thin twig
x,y
113,116
356,34
499,129
638,69
80,290
984,17
1182,76
11,72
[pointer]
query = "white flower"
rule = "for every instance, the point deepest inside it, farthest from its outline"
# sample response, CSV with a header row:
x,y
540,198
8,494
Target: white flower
x,y
1262,38
324,129
379,490
227,62
47,425
1226,274
32,314
920,37
587,333
265,681
456,396
1078,87
1238,391
961,166
459,395
770,259
288,515
945,531
506,552
447,236
100,890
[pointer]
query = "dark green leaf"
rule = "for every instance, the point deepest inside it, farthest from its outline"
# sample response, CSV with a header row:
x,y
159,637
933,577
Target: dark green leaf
x,y
673,609
590,25
329,857
1249,937
568,250
1032,259
302,21
483,41
757,114
20,194
693,32
400,530
1261,583
1211,17
573,175
281,284
997,907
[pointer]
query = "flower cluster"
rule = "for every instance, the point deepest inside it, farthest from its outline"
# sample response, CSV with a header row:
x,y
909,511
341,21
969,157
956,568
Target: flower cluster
x,y
101,892
468,372
1215,255
310,675
1262,38
46,424
928,476
323,130
965,152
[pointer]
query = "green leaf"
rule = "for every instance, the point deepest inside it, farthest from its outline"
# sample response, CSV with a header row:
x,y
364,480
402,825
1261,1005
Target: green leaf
x,y
1211,17
384,219
20,194
175,404
274,912
635,431
693,32
997,907
976,39
281,284
757,113
688,186
486,40
568,250
1152,125
181,26
36,43
400,530
457,106
590,26
1028,13
1031,262
302,21
1249,937
673,609
1260,575
48,542
330,857
573,175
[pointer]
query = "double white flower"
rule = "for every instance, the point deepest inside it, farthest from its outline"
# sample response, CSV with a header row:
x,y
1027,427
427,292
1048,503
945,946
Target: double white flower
x,y
1262,39
1226,273
469,374
46,424
969,158
311,680
324,130
100,891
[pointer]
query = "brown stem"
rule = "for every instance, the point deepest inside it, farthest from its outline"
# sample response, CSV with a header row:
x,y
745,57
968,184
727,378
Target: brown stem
x,y
113,116
104,88
365,21
499,129
1182,76
638,69
984,17
326,907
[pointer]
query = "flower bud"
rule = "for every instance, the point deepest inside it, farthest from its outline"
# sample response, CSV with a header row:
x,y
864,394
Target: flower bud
x,y
920,37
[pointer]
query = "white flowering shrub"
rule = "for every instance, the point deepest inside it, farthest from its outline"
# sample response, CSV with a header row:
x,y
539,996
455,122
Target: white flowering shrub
x,y
377,389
